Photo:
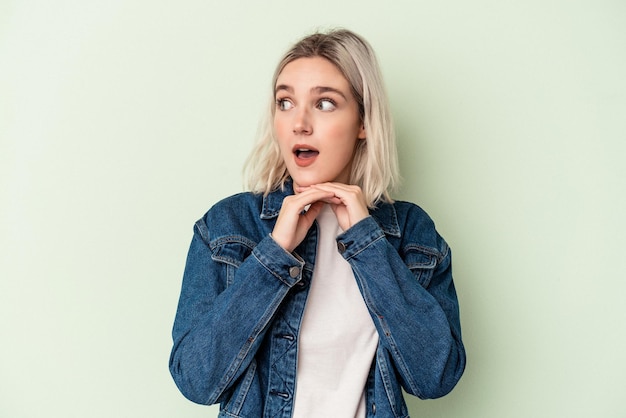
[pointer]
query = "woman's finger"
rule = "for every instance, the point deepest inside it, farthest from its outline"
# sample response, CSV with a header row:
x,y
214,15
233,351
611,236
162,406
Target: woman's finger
x,y
293,221
348,203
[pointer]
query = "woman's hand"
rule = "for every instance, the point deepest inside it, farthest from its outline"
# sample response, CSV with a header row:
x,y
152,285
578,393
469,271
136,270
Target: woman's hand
x,y
293,223
347,202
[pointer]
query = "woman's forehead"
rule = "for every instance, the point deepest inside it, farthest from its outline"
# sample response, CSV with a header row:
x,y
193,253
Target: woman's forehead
x,y
316,72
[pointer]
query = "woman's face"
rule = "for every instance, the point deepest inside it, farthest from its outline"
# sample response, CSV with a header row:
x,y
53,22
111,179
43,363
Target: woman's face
x,y
316,122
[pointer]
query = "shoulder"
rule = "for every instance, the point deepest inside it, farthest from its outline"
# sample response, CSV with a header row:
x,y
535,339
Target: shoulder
x,y
236,215
406,210
415,227
237,203
402,214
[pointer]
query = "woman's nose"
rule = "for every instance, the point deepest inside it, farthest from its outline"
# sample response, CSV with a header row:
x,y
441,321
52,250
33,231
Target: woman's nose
x,y
302,122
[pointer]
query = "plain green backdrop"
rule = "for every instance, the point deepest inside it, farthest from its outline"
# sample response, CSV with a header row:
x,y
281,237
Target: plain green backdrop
x,y
123,121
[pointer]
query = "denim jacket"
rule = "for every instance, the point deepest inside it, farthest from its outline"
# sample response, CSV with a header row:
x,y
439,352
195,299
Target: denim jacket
x,y
243,296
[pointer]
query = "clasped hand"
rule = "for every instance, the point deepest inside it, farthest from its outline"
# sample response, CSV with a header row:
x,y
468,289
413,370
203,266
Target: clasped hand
x,y
346,201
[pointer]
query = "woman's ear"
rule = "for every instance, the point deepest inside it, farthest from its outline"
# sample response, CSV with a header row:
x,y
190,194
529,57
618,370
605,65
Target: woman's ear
x,y
362,133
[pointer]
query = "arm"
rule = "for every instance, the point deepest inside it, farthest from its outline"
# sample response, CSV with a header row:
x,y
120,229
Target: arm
x,y
415,310
219,328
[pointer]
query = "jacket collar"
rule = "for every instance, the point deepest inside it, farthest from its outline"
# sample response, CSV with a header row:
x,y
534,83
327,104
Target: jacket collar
x,y
384,213
273,201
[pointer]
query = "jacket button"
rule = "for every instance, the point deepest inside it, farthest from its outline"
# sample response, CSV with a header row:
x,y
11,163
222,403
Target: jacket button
x,y
294,272
373,409
341,247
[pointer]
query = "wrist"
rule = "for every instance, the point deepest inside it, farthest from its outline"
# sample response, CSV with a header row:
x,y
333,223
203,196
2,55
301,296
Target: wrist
x,y
281,243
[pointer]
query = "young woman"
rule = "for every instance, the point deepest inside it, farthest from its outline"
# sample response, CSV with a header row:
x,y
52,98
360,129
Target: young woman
x,y
315,294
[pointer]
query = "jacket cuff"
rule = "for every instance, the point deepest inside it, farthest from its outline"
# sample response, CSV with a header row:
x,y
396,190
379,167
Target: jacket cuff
x,y
281,264
360,236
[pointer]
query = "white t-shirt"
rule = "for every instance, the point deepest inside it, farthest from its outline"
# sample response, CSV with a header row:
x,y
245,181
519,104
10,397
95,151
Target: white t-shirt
x,y
337,340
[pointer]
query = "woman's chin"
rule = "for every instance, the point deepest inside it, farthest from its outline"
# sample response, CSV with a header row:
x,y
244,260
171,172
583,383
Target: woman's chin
x,y
304,182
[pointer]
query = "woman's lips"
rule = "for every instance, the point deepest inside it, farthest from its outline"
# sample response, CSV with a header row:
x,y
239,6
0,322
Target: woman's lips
x,y
305,156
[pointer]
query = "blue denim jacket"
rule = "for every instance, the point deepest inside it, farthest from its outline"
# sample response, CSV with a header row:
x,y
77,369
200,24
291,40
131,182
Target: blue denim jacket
x,y
242,300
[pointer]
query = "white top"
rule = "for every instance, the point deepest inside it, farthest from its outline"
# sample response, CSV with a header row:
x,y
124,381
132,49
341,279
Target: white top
x,y
337,340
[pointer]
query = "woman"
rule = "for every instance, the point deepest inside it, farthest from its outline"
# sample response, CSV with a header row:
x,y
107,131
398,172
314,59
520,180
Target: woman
x,y
315,294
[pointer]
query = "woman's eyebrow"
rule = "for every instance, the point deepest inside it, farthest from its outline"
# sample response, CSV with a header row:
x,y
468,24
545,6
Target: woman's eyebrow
x,y
325,89
280,87
317,90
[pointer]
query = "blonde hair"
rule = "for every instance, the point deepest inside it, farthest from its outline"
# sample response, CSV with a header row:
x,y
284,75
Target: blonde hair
x,y
375,164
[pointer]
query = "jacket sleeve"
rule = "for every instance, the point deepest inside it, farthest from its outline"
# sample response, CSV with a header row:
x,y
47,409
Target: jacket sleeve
x,y
413,303
218,327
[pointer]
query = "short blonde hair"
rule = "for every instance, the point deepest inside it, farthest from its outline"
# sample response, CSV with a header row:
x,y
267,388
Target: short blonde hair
x,y
375,165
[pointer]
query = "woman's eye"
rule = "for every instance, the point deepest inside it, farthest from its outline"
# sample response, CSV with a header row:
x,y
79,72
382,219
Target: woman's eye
x,y
284,104
326,105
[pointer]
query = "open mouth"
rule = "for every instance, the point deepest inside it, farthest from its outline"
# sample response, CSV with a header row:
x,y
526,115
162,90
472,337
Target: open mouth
x,y
306,153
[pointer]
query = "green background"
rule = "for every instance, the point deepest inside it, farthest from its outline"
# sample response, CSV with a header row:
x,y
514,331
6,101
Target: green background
x,y
122,121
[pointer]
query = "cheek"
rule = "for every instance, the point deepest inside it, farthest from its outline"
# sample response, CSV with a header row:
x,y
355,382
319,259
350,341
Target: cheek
x,y
342,126
276,124
281,128
344,136
281,137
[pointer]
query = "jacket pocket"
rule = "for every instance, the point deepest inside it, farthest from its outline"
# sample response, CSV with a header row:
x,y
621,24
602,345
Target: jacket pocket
x,y
231,251
421,261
